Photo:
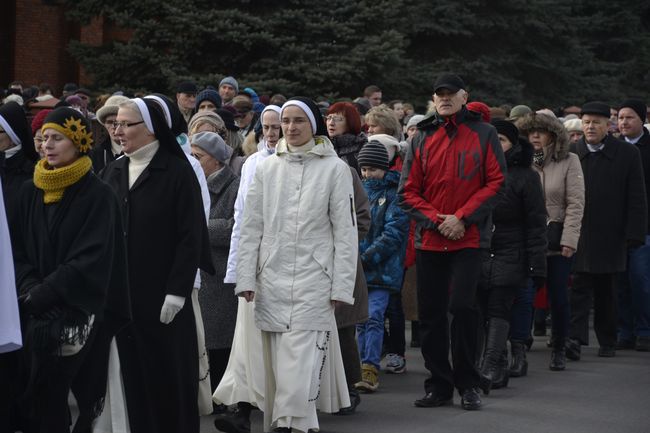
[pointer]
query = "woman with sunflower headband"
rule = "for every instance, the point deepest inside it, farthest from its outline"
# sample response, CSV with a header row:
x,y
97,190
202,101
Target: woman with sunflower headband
x,y
70,268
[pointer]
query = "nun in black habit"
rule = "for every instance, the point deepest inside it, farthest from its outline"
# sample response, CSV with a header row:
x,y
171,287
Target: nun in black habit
x,y
167,240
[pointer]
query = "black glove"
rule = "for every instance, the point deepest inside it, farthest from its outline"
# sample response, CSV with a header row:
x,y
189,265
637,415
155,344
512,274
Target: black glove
x,y
539,282
39,299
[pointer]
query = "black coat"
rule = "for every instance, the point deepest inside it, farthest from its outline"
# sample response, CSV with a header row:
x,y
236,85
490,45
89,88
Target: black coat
x,y
14,172
101,155
644,147
75,250
518,248
616,211
166,237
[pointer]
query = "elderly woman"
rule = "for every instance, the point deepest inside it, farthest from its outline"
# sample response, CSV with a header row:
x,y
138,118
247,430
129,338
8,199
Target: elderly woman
x,y
218,304
108,150
382,120
70,273
167,242
564,194
37,124
344,129
297,257
209,121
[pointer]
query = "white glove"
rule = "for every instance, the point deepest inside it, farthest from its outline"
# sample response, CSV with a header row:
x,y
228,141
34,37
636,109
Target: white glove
x,y
172,305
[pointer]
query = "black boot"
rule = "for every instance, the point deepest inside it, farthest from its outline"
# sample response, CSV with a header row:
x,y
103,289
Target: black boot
x,y
496,341
558,356
519,365
501,380
237,422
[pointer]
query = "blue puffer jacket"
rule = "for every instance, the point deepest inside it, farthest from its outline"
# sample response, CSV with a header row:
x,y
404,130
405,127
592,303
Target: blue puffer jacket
x,y
383,249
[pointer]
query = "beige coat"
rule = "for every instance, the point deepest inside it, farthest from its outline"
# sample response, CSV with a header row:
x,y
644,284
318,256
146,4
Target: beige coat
x,y
299,245
561,176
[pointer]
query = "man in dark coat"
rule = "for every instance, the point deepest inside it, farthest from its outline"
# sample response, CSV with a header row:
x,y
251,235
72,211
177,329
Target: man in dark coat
x,y
166,237
634,285
614,221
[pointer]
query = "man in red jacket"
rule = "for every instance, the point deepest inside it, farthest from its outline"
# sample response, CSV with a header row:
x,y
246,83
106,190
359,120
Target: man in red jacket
x,y
453,171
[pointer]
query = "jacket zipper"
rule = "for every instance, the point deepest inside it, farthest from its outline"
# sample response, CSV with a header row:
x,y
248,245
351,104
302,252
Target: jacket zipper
x,y
352,210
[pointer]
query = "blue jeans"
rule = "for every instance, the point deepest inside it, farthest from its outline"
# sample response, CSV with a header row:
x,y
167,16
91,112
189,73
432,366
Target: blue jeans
x,y
521,315
558,270
371,334
634,295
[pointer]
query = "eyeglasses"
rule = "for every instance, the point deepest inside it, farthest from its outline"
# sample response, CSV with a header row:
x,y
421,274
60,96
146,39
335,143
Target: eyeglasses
x,y
335,119
124,124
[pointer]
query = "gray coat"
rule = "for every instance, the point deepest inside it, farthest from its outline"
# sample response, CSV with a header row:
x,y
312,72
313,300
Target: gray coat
x,y
217,299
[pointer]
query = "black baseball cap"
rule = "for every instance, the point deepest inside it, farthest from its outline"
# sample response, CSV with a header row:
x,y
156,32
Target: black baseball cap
x,y
450,82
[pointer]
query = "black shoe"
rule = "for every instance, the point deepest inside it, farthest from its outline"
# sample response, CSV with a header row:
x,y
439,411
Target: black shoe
x,y
519,364
432,400
573,349
235,422
607,351
625,344
501,380
558,360
218,409
355,399
642,344
470,400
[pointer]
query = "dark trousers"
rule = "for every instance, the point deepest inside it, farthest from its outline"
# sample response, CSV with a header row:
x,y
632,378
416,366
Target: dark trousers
x,y
557,284
218,362
447,282
496,301
396,325
521,315
601,288
350,355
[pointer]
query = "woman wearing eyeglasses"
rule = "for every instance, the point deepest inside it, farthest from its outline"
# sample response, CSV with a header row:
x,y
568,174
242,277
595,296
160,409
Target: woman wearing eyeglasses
x,y
344,129
166,235
109,149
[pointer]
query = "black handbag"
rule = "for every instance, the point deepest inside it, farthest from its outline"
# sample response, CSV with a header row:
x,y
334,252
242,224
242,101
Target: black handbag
x,y
554,235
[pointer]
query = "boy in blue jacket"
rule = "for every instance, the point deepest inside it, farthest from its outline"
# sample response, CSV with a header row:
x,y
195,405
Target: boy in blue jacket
x,y
382,255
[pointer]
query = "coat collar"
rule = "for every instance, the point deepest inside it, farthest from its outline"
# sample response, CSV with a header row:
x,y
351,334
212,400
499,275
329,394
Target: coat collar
x,y
159,162
324,147
609,151
220,182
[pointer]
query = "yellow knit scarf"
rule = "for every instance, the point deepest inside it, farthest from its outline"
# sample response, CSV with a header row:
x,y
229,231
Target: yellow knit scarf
x,y
54,181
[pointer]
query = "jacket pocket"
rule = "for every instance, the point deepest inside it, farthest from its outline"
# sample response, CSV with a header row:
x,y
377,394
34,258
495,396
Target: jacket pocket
x,y
266,247
323,257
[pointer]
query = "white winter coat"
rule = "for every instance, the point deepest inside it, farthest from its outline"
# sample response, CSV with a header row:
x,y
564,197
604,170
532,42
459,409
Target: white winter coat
x,y
298,244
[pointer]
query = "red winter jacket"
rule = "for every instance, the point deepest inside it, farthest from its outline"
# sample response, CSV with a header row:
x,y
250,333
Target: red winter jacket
x,y
453,166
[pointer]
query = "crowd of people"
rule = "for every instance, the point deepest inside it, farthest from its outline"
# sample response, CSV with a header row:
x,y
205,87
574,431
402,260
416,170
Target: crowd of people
x,y
220,251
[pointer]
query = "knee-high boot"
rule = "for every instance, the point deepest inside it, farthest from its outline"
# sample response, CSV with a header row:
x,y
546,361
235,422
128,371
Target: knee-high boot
x,y
496,341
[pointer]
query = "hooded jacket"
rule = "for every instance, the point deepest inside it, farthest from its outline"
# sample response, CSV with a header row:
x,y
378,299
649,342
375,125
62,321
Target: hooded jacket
x,y
518,248
561,176
453,166
298,240
382,250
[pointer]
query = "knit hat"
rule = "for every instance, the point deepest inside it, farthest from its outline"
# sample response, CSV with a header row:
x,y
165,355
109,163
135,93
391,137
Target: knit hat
x,y
311,110
573,125
390,143
596,108
450,82
373,154
186,87
414,120
208,95
14,122
207,116
508,129
228,119
73,125
638,106
213,145
110,107
258,107
231,82
251,94
519,111
37,121
480,108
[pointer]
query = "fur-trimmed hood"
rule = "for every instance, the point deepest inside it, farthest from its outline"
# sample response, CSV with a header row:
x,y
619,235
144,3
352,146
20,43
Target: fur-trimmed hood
x,y
559,150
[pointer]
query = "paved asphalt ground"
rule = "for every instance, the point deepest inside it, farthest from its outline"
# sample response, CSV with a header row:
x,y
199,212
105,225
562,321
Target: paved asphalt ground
x,y
594,395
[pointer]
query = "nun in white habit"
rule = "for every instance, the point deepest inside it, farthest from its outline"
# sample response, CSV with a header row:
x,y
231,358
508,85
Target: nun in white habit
x,y
297,258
